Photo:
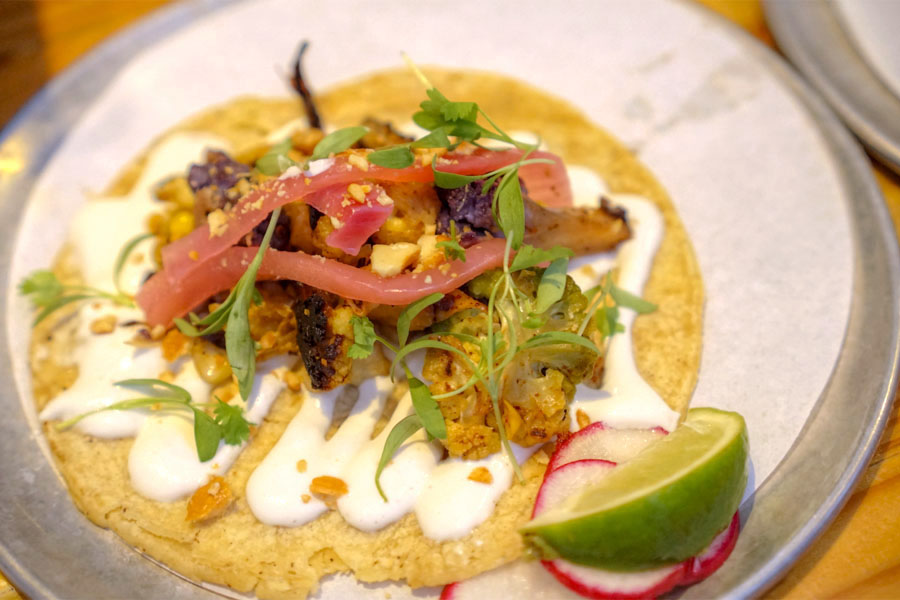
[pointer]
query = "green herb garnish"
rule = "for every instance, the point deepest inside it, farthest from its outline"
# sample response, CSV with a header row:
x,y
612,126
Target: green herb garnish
x,y
228,422
338,141
49,294
453,250
276,161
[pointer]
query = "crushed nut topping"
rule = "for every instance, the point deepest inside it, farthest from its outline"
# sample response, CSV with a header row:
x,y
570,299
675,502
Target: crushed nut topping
x,y
358,161
328,486
103,325
301,466
218,222
481,475
209,501
356,192
583,419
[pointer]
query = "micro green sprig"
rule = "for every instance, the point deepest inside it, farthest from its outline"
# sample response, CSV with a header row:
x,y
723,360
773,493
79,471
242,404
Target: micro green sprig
x,y
227,423
49,294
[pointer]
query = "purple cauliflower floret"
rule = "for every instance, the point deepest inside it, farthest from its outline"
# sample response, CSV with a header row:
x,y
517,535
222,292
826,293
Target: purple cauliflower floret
x,y
281,237
468,206
219,170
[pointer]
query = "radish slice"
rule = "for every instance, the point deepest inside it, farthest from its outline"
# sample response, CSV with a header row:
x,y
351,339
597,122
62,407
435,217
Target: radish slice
x,y
523,579
599,441
606,585
568,479
519,579
708,562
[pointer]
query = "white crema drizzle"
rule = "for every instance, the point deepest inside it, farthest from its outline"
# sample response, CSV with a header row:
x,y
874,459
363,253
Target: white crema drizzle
x,y
163,462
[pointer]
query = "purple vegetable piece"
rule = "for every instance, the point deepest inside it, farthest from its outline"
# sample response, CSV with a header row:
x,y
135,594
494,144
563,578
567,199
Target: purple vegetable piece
x,y
466,205
219,170
281,237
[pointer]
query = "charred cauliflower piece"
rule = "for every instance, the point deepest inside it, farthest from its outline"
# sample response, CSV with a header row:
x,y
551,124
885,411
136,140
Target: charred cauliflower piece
x,y
324,334
536,387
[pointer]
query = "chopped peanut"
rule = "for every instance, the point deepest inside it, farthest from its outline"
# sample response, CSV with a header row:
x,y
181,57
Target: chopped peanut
x,y
157,332
301,466
356,192
293,381
358,161
328,488
583,419
167,376
104,325
481,475
306,498
209,501
217,221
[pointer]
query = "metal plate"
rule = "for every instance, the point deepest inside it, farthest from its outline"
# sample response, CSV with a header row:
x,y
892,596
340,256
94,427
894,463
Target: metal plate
x,y
811,34
50,551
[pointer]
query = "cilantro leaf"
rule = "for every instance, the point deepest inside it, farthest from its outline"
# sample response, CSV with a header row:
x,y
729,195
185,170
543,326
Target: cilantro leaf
x,y
235,428
459,111
363,337
436,139
43,286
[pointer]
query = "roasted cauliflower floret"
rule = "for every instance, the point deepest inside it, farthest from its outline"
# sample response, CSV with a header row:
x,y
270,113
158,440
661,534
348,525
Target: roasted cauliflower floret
x,y
536,387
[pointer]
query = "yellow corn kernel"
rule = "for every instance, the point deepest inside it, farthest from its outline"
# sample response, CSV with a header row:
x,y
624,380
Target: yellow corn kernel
x,y
181,224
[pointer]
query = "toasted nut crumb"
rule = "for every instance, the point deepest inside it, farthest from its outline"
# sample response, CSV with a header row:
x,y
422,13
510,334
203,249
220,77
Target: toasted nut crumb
x,y
167,376
103,325
326,485
481,475
301,466
358,161
293,381
194,255
209,501
356,192
157,332
218,223
306,498
583,419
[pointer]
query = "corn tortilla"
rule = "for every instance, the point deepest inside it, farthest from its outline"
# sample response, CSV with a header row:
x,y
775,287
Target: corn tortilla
x,y
275,562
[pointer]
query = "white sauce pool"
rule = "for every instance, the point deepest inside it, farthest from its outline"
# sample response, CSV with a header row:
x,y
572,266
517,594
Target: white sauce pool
x,y
163,462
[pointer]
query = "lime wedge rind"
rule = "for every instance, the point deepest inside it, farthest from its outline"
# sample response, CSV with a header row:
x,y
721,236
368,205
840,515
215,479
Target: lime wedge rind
x,y
662,522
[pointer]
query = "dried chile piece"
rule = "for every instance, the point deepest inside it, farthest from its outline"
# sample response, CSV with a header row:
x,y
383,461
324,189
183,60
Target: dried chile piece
x,y
299,84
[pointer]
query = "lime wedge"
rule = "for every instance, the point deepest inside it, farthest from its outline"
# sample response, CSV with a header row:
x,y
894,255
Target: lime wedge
x,y
661,507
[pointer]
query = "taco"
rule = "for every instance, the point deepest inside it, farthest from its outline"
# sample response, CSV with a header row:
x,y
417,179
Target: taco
x,y
223,540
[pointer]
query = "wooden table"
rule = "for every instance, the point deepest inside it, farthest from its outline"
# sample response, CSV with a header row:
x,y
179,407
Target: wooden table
x,y
859,554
